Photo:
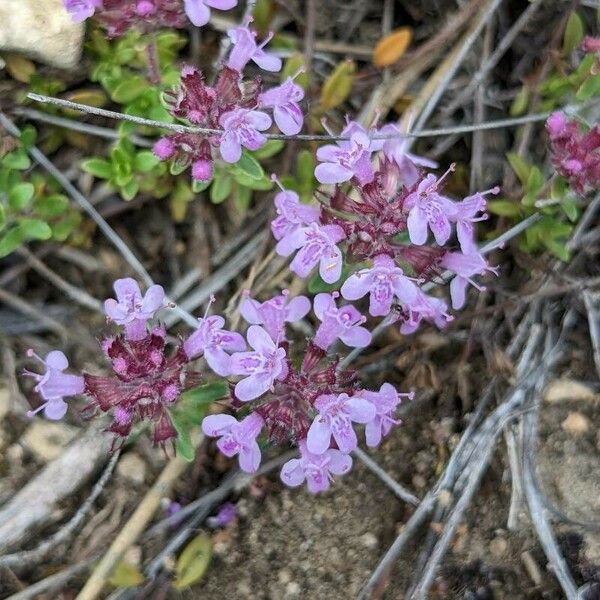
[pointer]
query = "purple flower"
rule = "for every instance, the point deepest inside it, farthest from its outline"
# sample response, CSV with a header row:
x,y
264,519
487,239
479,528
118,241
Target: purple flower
x,y
426,209
198,11
214,342
317,244
343,323
164,148
242,128
316,469
245,49
465,214
385,401
425,307
273,314
236,437
261,367
284,99
394,150
382,281
346,159
464,266
291,213
54,384
226,514
130,309
335,418
80,10
202,169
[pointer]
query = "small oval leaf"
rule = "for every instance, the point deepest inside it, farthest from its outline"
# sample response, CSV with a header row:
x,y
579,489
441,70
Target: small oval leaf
x,y
193,562
338,85
391,48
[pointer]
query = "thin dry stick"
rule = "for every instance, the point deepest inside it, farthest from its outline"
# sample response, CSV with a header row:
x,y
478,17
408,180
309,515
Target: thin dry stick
x,y
35,556
592,304
499,124
133,528
85,204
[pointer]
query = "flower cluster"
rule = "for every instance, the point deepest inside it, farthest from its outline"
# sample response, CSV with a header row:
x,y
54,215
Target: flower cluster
x,y
309,402
575,155
383,229
233,108
146,380
118,16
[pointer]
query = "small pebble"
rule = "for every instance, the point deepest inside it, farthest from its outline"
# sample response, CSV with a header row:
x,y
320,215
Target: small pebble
x,y
576,423
369,540
498,547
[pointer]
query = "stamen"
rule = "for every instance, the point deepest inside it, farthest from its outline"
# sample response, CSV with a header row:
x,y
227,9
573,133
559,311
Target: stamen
x,y
275,180
32,354
211,301
266,40
297,73
31,413
326,127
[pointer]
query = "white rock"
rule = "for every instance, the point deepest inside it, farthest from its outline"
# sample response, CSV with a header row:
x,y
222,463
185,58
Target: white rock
x,y
576,423
46,440
42,30
132,467
567,389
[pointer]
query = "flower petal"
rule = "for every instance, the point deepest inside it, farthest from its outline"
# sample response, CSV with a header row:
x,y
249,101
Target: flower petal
x,y
56,360
197,12
330,173
55,409
249,458
361,410
218,360
292,473
216,425
356,286
319,436
339,463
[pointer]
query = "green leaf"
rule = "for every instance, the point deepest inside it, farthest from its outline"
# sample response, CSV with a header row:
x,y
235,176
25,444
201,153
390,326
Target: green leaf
x,y
535,181
183,444
338,85
130,89
270,149
145,161
292,65
130,190
51,206
504,208
35,229
193,562
590,88
263,184
242,198
221,187
200,186
17,160
10,241
574,32
557,248
249,166
205,395
519,166
125,575
569,207
520,103
28,136
98,168
20,196
2,217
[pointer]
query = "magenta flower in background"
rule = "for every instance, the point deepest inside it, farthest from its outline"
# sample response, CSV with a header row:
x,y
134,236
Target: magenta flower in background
x,y
465,266
317,244
385,401
261,367
394,149
198,11
284,99
164,148
335,418
382,282
291,213
54,384
316,469
80,10
347,159
426,308
344,323
245,49
465,214
273,314
428,209
132,310
242,127
225,515
214,342
236,437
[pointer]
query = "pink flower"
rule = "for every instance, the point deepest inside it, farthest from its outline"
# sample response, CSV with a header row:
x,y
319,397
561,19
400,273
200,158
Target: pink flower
x,y
214,342
245,49
464,266
346,159
261,367
317,245
164,148
241,128
202,170
273,314
316,469
80,10
394,150
426,209
344,323
54,384
130,309
465,214
424,307
382,282
198,11
291,213
385,401
335,418
236,437
284,99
